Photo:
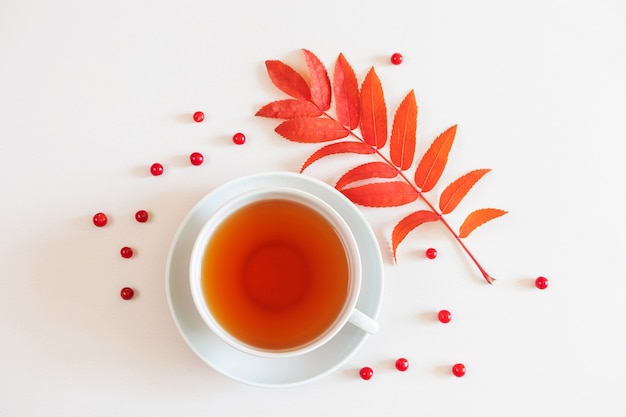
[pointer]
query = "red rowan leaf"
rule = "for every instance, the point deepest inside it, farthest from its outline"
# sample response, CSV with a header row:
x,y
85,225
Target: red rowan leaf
x,y
320,83
288,80
366,172
409,223
382,194
376,184
338,148
373,111
478,218
434,161
311,130
404,133
346,89
454,193
290,108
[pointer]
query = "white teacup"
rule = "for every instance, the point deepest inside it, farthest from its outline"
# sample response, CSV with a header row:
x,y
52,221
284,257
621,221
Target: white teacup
x,y
276,272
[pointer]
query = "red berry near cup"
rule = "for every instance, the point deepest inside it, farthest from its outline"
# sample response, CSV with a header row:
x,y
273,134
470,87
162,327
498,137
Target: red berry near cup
x,y
141,216
541,283
431,253
366,373
239,138
196,158
198,117
100,219
458,370
397,58
126,252
444,316
402,364
127,293
156,169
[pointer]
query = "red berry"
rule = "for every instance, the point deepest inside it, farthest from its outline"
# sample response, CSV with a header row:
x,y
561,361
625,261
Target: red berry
x,y
458,369
126,252
141,216
541,283
431,253
198,116
239,138
156,169
196,158
366,373
100,219
127,293
402,364
397,58
444,316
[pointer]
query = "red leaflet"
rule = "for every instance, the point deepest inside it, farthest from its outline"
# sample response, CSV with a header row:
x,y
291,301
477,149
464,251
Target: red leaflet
x,y
373,111
404,133
346,89
311,130
478,218
289,109
382,194
454,193
287,79
434,161
409,223
320,83
338,148
366,172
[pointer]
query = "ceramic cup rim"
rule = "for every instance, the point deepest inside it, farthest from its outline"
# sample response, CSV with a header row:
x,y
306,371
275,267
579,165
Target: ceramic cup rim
x,y
282,193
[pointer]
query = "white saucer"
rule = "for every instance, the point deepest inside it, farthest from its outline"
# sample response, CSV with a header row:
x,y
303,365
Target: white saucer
x,y
255,370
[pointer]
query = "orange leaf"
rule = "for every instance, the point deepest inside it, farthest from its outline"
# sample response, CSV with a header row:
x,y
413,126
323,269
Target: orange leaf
x,y
320,83
289,109
346,89
403,133
338,148
288,80
409,223
311,130
366,172
382,194
478,218
434,161
454,193
373,111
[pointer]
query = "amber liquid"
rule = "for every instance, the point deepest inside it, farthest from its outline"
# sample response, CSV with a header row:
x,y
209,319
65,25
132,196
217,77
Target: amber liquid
x,y
275,275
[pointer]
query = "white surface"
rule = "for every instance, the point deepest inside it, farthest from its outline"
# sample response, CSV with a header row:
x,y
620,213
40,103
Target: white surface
x,y
270,371
91,93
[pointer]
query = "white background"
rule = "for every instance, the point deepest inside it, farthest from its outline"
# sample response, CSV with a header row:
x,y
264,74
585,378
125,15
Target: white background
x,y
93,92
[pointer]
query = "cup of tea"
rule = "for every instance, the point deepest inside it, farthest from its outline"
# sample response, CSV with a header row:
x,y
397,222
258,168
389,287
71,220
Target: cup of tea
x,y
276,272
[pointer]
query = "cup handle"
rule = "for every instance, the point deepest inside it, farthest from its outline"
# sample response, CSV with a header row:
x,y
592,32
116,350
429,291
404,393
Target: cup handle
x,y
363,321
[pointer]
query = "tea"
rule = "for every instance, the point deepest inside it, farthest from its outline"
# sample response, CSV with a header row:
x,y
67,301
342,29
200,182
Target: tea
x,y
275,274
